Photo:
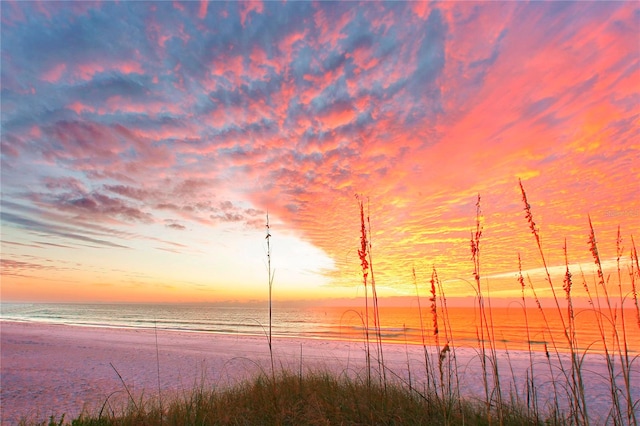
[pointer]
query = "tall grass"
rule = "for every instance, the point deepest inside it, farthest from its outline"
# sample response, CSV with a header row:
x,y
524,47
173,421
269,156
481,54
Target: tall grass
x,y
565,376
364,264
624,351
427,359
485,328
453,378
376,306
270,276
634,274
531,390
574,377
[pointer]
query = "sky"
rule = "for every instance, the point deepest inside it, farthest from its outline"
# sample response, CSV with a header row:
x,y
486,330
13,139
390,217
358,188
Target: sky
x,y
144,143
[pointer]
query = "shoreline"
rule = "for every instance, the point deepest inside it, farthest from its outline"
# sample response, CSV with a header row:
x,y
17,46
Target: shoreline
x,y
55,368
512,330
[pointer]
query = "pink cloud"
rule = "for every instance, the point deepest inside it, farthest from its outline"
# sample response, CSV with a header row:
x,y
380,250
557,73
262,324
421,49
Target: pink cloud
x,y
54,74
111,157
129,67
202,10
178,5
249,6
292,38
183,132
101,208
40,6
320,83
338,115
76,137
260,63
363,58
78,107
64,183
232,120
420,8
160,33
119,104
12,146
330,31
13,16
290,44
87,70
35,132
229,66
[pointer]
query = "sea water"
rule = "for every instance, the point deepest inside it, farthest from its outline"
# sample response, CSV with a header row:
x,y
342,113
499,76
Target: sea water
x,y
508,328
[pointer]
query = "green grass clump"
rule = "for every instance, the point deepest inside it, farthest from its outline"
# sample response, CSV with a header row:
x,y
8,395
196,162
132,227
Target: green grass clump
x,y
313,399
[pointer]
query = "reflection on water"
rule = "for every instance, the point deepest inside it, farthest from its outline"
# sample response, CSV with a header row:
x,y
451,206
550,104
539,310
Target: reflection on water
x,y
398,325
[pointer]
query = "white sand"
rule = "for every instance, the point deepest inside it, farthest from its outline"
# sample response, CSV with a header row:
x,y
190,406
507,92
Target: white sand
x,y
54,369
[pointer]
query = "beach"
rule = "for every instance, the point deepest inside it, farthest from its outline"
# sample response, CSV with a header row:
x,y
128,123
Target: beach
x,y
51,369
54,369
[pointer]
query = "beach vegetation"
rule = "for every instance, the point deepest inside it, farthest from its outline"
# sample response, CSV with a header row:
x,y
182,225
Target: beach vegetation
x,y
377,394
313,399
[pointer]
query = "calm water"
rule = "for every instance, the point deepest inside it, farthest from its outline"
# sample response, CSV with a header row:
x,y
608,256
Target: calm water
x,y
398,325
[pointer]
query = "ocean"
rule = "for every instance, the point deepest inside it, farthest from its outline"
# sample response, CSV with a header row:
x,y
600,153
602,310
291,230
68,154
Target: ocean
x,y
510,330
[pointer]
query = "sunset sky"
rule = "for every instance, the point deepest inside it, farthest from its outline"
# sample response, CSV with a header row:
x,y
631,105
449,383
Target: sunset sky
x,y
143,144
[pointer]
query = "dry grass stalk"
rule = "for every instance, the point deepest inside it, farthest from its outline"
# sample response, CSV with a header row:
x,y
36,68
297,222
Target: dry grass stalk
x,y
536,233
447,362
532,397
376,311
475,257
546,348
624,352
634,274
270,275
436,330
485,332
609,356
434,308
575,382
427,363
453,388
364,264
